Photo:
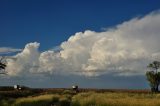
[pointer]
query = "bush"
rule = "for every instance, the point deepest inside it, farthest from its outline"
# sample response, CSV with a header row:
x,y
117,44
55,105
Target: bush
x,y
6,102
64,102
55,99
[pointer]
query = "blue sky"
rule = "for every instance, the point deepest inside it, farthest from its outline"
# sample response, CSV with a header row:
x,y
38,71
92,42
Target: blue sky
x,y
116,41
51,22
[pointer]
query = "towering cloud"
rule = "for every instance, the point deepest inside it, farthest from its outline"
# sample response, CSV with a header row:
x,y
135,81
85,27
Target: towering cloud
x,y
123,50
25,61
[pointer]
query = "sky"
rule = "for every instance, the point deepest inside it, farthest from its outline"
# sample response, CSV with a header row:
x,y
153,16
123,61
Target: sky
x,y
94,44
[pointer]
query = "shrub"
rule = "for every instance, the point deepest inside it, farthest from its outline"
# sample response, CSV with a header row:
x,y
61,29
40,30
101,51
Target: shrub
x,y
64,101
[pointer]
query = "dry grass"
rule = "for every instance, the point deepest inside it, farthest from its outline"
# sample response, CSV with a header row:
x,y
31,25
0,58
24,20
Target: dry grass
x,y
42,100
115,99
67,98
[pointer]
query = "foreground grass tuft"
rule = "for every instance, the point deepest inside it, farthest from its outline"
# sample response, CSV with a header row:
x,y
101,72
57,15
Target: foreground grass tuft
x,y
43,100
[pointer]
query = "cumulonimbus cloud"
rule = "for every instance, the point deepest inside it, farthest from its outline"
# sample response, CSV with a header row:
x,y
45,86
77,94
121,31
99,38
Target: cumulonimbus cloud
x,y
125,49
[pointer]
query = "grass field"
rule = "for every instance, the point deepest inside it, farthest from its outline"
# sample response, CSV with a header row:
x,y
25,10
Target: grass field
x,y
115,99
83,98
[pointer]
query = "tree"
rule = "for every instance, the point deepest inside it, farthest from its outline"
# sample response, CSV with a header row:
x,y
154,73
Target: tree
x,y
2,65
153,76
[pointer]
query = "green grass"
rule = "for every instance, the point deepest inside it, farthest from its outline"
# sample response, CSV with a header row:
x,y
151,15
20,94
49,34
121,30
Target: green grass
x,y
86,99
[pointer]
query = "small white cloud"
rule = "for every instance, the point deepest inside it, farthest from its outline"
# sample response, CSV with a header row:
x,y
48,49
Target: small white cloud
x,y
6,50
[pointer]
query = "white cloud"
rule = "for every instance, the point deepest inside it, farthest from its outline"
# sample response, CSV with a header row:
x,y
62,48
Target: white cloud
x,y
6,50
123,50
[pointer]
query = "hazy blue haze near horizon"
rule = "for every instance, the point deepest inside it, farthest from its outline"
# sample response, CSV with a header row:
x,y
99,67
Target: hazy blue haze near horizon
x,y
62,81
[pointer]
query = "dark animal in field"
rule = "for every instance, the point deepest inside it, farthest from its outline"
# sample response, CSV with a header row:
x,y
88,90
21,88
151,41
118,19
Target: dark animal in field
x,y
75,88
